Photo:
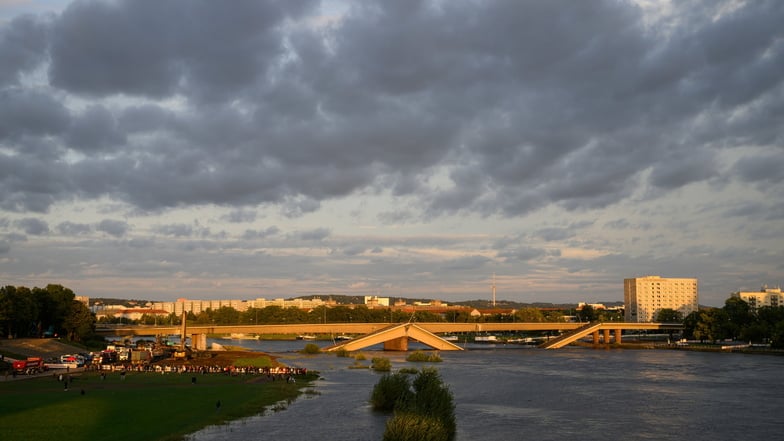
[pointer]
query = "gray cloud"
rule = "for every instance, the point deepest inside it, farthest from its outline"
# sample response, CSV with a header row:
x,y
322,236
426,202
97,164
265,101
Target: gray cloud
x,y
316,235
520,123
175,230
23,45
499,109
241,215
73,229
261,234
113,227
33,226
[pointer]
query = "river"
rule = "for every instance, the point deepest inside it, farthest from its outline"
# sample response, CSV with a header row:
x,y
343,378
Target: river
x,y
504,393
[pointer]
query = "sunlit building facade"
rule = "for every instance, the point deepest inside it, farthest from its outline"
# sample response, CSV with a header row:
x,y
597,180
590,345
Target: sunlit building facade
x,y
644,297
764,297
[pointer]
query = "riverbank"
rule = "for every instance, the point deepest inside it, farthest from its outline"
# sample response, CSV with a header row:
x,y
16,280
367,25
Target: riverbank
x,y
143,405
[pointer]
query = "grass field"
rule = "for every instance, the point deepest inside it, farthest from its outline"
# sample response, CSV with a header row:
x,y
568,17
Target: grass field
x,y
143,406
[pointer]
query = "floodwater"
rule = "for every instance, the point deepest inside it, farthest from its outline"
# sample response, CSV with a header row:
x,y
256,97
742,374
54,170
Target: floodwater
x,y
509,392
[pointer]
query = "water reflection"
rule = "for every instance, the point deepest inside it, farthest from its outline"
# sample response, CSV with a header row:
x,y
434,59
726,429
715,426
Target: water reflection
x,y
508,393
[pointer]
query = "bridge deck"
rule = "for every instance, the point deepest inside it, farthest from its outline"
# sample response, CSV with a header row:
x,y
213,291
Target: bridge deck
x,y
397,333
417,331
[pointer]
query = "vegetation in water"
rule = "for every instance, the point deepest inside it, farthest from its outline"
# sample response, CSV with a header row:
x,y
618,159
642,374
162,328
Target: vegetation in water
x,y
423,408
381,364
311,348
422,356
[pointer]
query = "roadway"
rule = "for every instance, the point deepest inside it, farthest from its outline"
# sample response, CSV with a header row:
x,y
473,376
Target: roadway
x,y
357,328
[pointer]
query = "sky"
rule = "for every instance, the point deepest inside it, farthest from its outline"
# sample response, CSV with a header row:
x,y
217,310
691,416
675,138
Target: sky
x,y
422,149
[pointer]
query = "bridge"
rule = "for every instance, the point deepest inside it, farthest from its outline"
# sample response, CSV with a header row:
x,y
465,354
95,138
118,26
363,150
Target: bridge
x,y
394,333
594,329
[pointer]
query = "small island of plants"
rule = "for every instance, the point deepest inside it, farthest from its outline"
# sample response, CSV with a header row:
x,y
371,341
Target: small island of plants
x,y
423,409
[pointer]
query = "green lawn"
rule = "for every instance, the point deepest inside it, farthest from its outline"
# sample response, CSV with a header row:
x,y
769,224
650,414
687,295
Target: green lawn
x,y
144,406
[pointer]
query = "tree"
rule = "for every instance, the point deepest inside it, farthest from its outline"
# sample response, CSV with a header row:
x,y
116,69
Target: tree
x,y
739,316
587,314
226,315
668,315
79,324
18,312
54,303
529,315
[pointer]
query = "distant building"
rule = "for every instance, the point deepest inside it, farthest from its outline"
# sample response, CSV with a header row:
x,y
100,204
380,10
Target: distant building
x,y
130,313
376,301
198,306
596,306
764,297
644,297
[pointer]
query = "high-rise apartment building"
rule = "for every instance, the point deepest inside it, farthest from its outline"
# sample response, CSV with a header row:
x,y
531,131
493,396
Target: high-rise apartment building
x,y
764,297
644,297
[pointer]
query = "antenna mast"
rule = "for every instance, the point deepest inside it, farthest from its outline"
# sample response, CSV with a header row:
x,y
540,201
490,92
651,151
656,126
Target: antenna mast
x,y
493,290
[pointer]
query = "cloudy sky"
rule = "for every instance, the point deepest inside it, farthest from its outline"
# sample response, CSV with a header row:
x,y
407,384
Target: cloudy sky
x,y
244,149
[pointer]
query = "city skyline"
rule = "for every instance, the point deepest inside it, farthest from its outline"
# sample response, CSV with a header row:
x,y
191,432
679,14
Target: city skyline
x,y
195,149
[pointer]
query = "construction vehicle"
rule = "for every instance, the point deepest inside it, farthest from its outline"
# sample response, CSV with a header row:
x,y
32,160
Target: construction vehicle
x,y
141,356
33,365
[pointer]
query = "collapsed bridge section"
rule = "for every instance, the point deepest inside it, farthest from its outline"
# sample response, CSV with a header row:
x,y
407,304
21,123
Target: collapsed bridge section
x,y
396,338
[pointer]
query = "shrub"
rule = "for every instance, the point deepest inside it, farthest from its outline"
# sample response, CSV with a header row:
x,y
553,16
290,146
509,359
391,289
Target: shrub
x,y
433,398
342,352
414,427
360,356
420,356
381,364
390,389
424,409
311,348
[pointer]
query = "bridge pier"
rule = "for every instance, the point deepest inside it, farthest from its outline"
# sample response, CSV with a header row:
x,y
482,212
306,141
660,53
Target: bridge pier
x,y
606,336
595,338
199,342
618,333
397,344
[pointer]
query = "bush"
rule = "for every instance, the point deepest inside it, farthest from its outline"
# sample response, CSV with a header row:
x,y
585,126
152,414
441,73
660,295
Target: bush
x,y
389,390
343,352
381,364
311,348
413,427
360,356
434,399
420,356
424,410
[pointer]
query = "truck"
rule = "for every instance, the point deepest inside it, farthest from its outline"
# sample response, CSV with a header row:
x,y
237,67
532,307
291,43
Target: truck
x,y
33,365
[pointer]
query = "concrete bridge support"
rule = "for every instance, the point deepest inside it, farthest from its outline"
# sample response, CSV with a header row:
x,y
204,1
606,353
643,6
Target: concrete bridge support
x,y
595,337
199,342
606,336
397,344
618,333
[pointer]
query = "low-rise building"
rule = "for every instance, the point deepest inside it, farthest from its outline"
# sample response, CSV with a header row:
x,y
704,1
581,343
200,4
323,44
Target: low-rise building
x,y
764,297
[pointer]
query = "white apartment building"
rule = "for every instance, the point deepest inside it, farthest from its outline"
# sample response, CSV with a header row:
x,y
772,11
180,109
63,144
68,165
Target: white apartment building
x,y
644,297
764,297
198,306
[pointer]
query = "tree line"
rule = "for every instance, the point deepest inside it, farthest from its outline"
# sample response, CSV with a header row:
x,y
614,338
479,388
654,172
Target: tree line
x,y
44,312
737,320
274,314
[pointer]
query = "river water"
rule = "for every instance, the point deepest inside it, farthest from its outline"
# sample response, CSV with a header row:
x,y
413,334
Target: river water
x,y
506,393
